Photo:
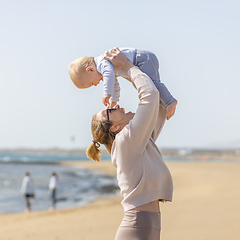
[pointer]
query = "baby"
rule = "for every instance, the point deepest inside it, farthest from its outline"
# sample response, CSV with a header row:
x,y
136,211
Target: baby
x,y
88,71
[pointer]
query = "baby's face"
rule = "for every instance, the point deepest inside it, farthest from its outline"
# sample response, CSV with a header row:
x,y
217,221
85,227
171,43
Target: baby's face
x,y
95,77
89,79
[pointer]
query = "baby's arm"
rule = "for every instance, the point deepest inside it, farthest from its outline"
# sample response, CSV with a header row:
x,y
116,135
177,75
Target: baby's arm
x,y
116,94
105,100
108,81
112,99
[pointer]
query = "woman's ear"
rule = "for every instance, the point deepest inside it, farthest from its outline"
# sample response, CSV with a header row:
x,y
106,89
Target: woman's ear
x,y
115,128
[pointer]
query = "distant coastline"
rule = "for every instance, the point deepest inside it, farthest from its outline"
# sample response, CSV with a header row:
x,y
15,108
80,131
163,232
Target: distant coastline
x,y
166,152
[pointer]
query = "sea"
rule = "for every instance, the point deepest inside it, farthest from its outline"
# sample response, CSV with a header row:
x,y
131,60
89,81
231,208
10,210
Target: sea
x,y
77,186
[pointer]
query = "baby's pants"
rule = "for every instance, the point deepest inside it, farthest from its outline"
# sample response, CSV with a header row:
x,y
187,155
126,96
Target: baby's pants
x,y
148,63
139,225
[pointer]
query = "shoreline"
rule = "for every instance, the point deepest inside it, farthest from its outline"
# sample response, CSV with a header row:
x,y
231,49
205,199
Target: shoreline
x,y
205,206
183,152
78,187
104,166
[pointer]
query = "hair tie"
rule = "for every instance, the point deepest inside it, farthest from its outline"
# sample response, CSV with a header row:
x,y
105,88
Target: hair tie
x,y
96,143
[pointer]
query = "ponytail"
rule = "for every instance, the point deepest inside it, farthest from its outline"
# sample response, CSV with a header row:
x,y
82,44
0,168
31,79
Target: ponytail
x,y
102,135
93,151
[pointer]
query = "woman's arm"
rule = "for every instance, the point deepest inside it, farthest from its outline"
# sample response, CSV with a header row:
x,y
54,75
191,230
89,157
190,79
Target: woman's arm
x,y
140,128
159,123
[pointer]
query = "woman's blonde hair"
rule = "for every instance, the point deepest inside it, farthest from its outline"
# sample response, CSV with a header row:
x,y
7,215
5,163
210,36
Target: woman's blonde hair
x,y
101,135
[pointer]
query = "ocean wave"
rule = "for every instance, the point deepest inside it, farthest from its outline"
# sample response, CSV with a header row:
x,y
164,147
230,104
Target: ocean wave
x,y
77,186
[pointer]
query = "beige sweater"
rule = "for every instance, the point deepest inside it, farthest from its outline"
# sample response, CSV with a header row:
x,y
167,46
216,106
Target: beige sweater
x,y
142,174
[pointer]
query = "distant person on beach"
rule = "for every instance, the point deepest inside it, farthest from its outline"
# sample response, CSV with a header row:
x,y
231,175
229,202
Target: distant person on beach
x,y
53,183
27,190
89,71
143,177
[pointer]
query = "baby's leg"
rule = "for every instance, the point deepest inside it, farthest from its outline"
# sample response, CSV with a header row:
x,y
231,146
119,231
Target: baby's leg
x,y
170,109
148,63
165,96
167,99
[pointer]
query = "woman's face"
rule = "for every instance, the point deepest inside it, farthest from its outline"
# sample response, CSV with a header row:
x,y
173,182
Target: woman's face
x,y
118,116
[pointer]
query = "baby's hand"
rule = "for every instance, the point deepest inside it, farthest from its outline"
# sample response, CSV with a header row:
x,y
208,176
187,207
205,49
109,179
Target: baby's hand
x,y
170,109
112,104
105,99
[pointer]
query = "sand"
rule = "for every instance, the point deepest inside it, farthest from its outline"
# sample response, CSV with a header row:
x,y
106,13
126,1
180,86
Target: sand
x,y
206,205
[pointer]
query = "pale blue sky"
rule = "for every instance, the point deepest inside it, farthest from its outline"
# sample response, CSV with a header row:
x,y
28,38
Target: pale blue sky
x,y
197,43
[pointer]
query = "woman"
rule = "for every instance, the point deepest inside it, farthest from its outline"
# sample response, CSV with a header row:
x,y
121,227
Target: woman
x,y
27,190
143,177
53,182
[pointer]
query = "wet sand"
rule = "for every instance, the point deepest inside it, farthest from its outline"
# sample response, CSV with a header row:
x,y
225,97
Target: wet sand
x,y
206,205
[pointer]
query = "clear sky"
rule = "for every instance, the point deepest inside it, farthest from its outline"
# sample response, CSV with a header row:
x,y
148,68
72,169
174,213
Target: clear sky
x,y
197,43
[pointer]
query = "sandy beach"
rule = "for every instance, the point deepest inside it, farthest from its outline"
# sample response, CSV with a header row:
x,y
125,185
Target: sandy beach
x,y
206,205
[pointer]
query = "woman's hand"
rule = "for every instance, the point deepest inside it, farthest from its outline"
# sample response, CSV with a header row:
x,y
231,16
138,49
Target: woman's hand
x,y
118,59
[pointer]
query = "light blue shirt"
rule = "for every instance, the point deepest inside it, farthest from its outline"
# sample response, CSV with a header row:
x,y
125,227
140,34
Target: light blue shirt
x,y
110,82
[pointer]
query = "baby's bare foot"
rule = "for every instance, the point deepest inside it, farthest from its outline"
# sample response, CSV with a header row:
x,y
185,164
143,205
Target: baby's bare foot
x,y
170,109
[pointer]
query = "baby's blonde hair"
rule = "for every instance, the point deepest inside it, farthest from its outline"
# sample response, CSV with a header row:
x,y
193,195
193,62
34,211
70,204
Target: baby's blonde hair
x,y
78,67
101,135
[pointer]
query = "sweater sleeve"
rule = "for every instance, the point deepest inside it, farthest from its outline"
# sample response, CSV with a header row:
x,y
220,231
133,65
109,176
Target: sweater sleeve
x,y
108,77
143,123
160,122
116,92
